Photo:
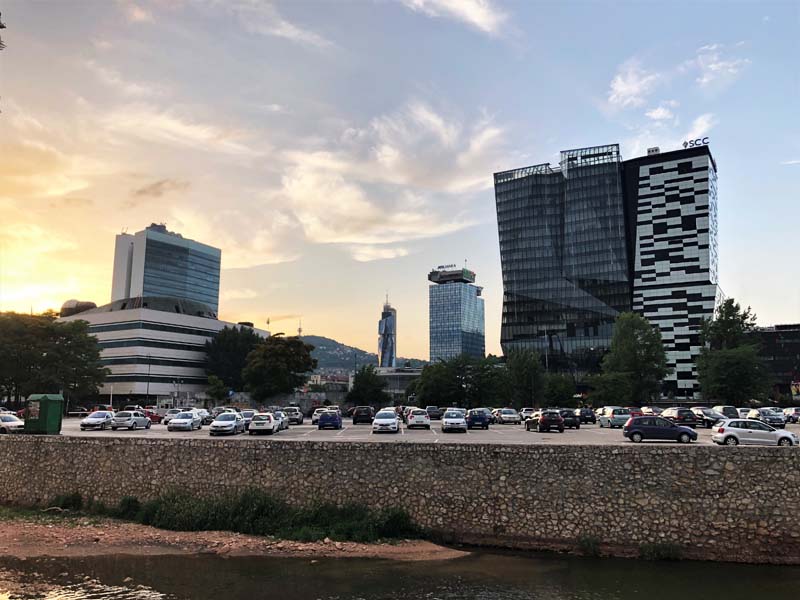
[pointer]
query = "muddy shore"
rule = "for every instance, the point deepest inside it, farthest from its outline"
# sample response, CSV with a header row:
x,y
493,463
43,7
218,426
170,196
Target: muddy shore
x,y
33,537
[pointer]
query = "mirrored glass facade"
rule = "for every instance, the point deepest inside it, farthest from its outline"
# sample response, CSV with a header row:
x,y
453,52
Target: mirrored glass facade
x,y
456,319
387,337
565,260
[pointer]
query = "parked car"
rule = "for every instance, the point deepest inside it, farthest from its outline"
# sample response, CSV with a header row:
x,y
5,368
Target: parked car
x,y
730,412
284,418
477,418
336,408
614,416
329,418
418,417
743,412
586,415
454,420
768,416
100,419
248,416
227,423
172,412
10,423
707,416
545,420
508,415
732,432
526,413
651,410
186,421
637,429
206,416
315,415
792,414
571,420
364,414
434,412
680,416
263,423
295,415
635,411
153,416
130,419
386,420
133,407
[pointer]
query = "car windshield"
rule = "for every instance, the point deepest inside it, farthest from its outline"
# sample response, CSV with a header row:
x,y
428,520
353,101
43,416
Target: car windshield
x,y
123,415
621,411
98,415
173,411
262,417
226,417
419,413
386,415
186,415
509,411
248,413
452,415
8,418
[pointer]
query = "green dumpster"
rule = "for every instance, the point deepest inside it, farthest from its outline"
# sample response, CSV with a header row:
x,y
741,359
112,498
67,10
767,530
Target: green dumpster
x,y
43,413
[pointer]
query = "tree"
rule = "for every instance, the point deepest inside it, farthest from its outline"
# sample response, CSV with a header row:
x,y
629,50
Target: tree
x,y
729,367
559,390
526,378
487,383
729,328
636,354
610,389
217,390
277,366
368,389
227,354
438,386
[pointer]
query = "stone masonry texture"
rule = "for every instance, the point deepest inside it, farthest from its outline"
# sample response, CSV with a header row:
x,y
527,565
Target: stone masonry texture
x,y
715,503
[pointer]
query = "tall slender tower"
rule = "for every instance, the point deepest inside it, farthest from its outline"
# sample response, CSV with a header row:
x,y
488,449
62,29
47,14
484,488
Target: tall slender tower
x,y
387,336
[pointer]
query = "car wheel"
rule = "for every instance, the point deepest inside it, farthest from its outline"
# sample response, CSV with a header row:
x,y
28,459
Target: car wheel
x,y
250,432
784,441
113,429
133,426
148,425
731,441
103,427
684,438
578,426
636,437
560,430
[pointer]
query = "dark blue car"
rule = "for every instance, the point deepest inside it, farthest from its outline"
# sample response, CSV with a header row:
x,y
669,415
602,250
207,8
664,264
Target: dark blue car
x,y
330,418
478,418
656,428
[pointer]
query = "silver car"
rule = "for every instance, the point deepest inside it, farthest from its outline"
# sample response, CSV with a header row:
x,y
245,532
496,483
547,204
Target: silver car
x,y
453,420
186,421
171,414
100,419
130,419
283,418
732,432
508,415
10,423
227,423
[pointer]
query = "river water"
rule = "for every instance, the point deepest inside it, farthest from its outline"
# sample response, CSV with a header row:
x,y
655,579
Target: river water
x,y
482,576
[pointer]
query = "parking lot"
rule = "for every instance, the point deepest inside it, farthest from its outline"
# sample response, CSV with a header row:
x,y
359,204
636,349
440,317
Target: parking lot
x,y
496,434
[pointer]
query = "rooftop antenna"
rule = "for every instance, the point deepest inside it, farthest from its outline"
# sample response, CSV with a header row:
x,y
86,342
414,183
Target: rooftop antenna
x,y
300,328
387,296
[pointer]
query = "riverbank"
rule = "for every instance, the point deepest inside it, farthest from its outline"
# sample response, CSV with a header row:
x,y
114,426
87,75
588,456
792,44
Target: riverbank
x,y
28,534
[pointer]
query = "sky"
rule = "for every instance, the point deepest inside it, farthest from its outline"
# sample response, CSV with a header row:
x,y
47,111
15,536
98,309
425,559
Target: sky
x,y
337,151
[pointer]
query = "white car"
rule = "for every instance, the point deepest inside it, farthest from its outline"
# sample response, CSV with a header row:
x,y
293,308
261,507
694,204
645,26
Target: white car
x,y
129,419
264,423
732,432
526,413
282,417
508,415
10,423
386,420
171,414
335,407
227,423
453,420
99,419
187,421
743,412
316,414
418,417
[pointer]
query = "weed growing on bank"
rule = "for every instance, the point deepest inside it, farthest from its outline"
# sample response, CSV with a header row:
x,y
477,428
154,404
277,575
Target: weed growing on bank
x,y
257,513
660,552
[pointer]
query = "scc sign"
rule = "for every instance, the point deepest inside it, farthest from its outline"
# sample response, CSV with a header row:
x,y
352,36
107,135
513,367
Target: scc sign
x,y
697,142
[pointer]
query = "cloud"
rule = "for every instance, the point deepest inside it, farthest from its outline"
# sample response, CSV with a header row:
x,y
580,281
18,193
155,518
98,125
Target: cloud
x,y
161,187
701,126
239,294
136,14
114,79
367,253
153,125
480,14
631,85
661,113
262,18
715,68
790,162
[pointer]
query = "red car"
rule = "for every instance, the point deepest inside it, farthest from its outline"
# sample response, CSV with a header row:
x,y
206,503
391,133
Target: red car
x,y
635,411
153,416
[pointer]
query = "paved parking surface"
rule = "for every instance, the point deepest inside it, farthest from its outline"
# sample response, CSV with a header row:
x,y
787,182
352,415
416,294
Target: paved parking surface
x,y
496,434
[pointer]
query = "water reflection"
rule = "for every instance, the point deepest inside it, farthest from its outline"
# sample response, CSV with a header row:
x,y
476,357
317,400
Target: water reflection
x,y
480,576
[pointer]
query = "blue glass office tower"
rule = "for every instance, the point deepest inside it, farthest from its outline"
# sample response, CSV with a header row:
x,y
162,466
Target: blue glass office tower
x,y
387,336
157,262
456,314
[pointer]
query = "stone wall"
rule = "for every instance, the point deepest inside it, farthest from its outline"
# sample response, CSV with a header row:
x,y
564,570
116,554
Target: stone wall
x,y
718,503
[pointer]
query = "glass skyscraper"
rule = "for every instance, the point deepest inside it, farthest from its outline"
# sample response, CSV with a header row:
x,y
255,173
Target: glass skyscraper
x,y
456,314
387,336
564,256
157,262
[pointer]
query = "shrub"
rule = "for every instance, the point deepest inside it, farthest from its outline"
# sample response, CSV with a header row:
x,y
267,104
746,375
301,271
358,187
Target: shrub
x,y
660,551
128,508
589,546
73,501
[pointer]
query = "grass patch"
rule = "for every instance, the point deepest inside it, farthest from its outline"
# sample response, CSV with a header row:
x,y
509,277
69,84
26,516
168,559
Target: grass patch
x,y
589,546
660,551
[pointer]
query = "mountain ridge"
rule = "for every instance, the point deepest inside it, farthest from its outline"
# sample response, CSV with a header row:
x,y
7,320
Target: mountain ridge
x,y
333,355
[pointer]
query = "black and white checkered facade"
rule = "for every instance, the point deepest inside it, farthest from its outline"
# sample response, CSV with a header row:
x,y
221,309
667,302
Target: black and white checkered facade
x,y
675,264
